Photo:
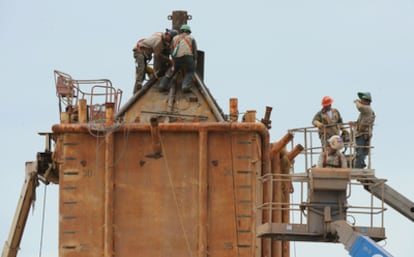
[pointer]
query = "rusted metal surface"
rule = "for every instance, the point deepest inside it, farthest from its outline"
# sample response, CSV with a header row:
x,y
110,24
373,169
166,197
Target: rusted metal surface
x,y
168,174
172,106
96,92
178,18
198,197
165,174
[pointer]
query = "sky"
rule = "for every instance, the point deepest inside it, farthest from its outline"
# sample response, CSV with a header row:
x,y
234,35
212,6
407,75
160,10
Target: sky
x,y
283,54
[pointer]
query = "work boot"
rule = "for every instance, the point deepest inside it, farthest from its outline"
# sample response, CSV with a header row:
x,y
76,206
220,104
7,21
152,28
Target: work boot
x,y
138,86
186,89
162,88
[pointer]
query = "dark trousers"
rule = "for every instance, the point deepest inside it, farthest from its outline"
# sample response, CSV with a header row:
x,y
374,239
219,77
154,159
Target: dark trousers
x,y
362,150
181,63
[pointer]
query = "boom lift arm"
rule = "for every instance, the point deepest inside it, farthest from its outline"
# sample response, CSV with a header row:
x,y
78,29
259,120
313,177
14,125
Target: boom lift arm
x,y
356,244
27,197
393,198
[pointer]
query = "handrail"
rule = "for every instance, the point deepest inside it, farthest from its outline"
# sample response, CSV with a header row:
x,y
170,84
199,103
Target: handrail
x,y
298,209
97,92
309,138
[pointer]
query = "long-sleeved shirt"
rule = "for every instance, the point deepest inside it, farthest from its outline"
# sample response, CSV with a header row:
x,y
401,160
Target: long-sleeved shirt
x,y
365,120
155,44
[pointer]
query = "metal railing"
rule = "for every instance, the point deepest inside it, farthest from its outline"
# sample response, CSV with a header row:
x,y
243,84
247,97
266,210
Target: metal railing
x,y
309,138
368,209
299,180
96,93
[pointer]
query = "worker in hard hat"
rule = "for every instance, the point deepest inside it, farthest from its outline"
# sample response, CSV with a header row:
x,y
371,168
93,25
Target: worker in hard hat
x,y
158,45
332,156
363,128
328,121
184,54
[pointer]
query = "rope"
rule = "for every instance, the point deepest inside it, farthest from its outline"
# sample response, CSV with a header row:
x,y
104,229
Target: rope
x,y
43,222
175,199
125,138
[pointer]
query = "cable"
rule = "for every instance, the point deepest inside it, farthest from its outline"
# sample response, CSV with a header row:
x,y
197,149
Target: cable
x,y
43,222
174,194
234,191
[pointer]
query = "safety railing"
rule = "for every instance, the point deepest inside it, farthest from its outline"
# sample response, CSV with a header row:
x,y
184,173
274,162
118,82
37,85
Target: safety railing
x,y
364,209
288,195
96,93
310,139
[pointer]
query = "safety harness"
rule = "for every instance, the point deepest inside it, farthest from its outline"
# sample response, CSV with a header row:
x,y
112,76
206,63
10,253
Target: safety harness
x,y
325,164
176,45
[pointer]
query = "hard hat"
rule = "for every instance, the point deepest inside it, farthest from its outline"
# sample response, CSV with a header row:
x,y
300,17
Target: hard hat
x,y
172,32
365,96
336,142
185,27
326,100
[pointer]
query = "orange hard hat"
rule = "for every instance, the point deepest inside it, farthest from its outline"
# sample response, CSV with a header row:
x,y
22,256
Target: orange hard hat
x,y
326,100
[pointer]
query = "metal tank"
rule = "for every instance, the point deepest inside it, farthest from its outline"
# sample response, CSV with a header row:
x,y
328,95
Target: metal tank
x,y
166,174
170,174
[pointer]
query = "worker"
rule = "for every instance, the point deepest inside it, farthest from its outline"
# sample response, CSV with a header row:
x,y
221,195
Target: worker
x,y
184,54
328,121
158,45
332,156
363,128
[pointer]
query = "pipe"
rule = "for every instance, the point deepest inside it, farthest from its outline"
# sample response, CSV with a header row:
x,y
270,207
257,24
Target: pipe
x,y
266,120
186,127
203,195
276,215
295,152
277,147
250,116
109,113
83,113
234,111
109,196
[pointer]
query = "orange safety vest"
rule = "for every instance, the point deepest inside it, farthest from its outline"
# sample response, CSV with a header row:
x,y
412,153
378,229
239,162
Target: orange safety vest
x,y
176,42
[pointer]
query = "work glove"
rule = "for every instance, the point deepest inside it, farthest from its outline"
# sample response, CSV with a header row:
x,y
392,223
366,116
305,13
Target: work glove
x,y
318,124
345,136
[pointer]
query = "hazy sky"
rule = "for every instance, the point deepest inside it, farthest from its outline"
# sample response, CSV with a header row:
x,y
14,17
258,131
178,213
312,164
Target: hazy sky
x,y
284,54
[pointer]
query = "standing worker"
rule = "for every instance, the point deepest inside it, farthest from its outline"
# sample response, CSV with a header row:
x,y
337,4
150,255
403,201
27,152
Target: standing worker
x,y
364,126
184,54
328,121
157,44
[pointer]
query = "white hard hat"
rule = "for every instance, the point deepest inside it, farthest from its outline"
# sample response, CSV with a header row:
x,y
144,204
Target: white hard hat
x,y
336,142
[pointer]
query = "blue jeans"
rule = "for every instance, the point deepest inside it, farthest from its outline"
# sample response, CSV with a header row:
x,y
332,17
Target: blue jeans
x,y
362,144
185,62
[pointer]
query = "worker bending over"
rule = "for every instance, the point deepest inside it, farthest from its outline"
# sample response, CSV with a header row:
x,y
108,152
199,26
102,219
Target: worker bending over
x,y
158,45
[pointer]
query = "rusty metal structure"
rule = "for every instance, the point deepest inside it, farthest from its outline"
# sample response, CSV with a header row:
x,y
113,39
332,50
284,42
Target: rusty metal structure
x,y
170,174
